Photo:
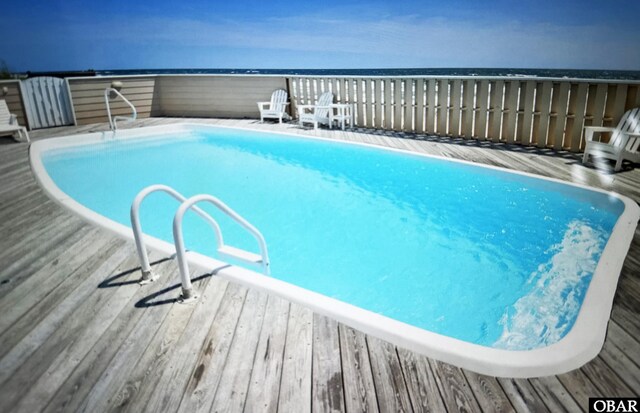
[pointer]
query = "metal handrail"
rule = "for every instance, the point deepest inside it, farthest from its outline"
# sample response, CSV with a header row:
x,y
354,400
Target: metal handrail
x,y
187,289
113,121
147,274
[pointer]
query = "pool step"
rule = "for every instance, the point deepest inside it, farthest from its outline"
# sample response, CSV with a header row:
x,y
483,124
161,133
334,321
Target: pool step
x,y
232,252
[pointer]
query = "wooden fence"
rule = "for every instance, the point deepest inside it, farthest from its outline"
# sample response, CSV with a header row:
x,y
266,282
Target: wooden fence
x,y
87,97
10,92
215,96
547,113
542,112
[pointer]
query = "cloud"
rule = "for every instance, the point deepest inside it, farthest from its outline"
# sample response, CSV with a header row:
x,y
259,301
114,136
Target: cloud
x,y
402,41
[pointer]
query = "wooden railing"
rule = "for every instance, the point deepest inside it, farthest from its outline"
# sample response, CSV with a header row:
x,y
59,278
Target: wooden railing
x,y
547,113
542,112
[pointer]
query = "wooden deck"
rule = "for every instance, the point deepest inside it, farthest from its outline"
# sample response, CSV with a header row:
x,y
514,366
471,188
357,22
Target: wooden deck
x,y
77,333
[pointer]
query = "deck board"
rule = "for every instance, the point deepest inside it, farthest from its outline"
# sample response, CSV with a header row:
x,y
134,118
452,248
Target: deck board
x,y
77,333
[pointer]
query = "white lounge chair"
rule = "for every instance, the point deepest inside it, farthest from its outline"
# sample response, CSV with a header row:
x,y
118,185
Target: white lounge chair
x,y
318,113
623,144
276,107
9,123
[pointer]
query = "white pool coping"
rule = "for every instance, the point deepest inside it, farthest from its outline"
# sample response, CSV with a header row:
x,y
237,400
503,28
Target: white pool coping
x,y
581,344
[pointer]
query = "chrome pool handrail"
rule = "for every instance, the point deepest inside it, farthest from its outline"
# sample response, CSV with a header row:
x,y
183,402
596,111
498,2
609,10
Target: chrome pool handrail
x,y
112,120
187,288
147,274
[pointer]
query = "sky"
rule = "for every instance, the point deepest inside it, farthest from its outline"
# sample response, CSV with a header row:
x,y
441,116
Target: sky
x,y
332,34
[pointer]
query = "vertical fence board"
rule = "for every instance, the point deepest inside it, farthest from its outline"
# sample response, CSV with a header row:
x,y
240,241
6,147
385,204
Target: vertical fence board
x,y
359,107
559,108
388,109
420,105
370,102
577,106
542,108
634,99
377,101
42,90
407,119
430,124
336,90
495,110
454,118
29,102
346,91
298,91
53,90
597,113
442,106
397,105
618,102
481,109
307,91
527,115
510,110
468,96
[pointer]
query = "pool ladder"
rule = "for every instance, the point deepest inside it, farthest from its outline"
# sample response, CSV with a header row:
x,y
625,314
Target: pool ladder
x,y
186,204
112,92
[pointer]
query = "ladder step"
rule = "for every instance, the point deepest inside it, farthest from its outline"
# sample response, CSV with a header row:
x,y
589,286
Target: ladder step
x,y
237,253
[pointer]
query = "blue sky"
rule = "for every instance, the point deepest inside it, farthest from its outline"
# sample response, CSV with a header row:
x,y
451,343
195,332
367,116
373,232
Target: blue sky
x,y
332,34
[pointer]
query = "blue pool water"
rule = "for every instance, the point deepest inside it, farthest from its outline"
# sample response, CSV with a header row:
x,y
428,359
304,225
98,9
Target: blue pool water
x,y
480,255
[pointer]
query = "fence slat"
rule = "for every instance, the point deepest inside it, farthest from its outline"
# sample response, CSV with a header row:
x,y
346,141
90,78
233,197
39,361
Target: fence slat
x,y
495,110
53,96
397,103
407,119
359,107
442,112
481,109
377,101
370,102
634,100
559,109
454,118
430,126
468,96
596,110
526,104
510,110
41,89
577,107
420,105
388,108
543,108
618,102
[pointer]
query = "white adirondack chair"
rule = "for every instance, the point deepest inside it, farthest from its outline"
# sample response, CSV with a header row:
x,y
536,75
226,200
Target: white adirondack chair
x,y
318,113
9,123
276,107
623,144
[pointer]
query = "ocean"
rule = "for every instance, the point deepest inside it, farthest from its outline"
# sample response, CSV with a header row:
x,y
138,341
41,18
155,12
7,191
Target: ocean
x,y
480,72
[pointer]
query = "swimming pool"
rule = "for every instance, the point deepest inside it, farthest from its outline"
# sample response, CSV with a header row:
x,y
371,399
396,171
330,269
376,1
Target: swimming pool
x,y
500,272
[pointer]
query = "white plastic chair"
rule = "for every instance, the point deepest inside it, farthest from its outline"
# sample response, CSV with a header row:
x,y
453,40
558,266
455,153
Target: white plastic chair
x,y
318,113
9,123
276,107
624,142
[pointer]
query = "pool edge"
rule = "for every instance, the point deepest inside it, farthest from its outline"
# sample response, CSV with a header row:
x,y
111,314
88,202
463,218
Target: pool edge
x,y
572,351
